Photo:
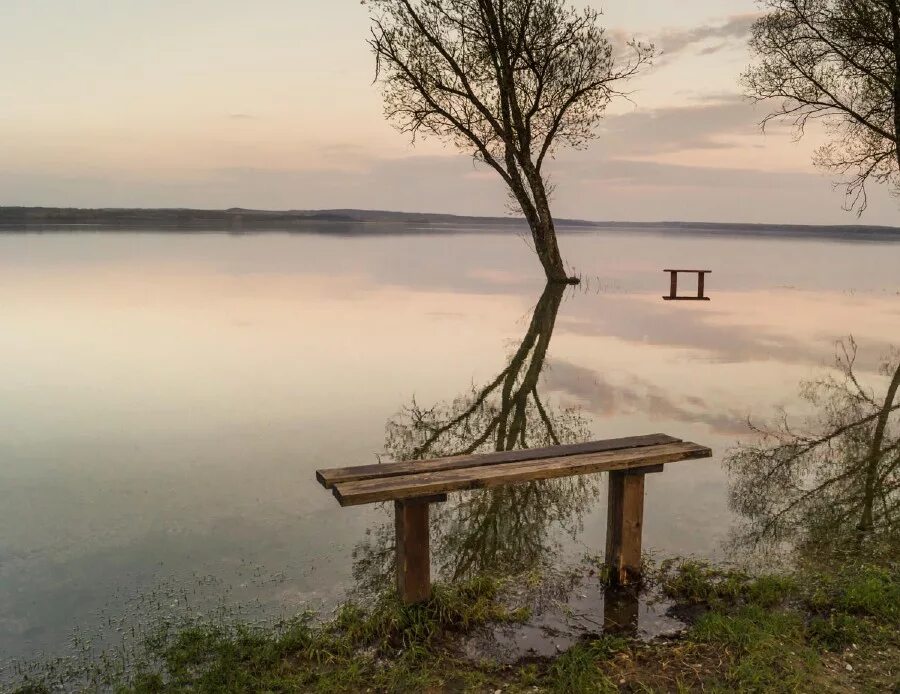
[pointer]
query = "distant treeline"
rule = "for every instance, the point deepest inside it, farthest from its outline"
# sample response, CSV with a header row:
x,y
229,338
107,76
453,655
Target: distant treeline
x,y
234,218
349,221
159,218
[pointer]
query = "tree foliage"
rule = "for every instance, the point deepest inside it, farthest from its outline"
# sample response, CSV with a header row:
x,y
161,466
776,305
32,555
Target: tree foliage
x,y
836,60
507,80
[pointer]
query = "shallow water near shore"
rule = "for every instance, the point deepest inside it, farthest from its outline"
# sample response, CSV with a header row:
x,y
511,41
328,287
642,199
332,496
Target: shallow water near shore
x,y
167,398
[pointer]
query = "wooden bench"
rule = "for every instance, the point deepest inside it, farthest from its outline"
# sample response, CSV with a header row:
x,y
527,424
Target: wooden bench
x,y
414,485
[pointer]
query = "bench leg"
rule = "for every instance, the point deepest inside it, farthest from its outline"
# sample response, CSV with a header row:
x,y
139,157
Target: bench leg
x,y
624,524
413,553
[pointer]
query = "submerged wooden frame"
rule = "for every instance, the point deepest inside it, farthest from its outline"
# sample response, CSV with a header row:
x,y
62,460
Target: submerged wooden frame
x,y
673,286
414,485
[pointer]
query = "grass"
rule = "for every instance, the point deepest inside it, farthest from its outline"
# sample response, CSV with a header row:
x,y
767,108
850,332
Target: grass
x,y
778,633
766,648
696,582
579,670
812,630
388,646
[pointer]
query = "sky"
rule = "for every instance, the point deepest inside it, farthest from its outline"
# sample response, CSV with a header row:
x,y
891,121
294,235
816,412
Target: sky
x,y
272,105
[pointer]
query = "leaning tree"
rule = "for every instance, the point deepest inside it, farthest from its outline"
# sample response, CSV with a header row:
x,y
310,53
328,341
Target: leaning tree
x,y
836,60
505,80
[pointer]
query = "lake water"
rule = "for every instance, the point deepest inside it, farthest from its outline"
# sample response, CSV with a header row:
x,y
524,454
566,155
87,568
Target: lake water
x,y
165,399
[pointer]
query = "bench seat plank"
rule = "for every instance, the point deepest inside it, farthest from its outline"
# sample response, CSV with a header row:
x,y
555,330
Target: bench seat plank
x,y
368,491
328,478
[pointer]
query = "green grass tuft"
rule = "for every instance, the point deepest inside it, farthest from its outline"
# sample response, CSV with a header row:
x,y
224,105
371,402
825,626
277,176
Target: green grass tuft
x,y
388,647
697,582
768,648
863,590
578,669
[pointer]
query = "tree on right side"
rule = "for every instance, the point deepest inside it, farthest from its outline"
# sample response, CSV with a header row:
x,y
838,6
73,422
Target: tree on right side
x,y
832,482
837,61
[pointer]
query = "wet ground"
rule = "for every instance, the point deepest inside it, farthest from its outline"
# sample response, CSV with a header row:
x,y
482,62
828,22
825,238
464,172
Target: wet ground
x,y
569,607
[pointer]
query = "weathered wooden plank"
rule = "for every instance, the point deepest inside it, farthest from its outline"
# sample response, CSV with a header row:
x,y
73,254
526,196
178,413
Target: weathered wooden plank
x,y
645,470
332,476
434,499
413,558
624,526
443,481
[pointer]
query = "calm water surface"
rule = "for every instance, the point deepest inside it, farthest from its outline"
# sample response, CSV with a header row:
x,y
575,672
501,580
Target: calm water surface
x,y
166,398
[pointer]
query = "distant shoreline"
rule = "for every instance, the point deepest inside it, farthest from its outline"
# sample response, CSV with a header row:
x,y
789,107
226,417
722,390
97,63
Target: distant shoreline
x,y
374,222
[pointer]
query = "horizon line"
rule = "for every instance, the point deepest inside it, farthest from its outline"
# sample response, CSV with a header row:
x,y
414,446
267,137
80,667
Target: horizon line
x,y
298,212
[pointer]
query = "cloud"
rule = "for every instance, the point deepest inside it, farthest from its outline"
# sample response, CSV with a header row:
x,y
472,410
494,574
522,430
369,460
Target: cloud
x,y
711,335
589,185
604,398
633,320
704,125
634,170
734,30
647,175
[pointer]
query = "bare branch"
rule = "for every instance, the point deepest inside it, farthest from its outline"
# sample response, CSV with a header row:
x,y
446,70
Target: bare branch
x,y
505,80
837,60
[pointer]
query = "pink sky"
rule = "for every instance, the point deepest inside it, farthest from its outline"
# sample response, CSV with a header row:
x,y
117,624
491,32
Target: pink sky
x,y
220,103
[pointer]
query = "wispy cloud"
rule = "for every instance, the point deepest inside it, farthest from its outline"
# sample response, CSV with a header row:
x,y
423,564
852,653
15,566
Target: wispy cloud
x,y
710,38
638,396
678,162
704,125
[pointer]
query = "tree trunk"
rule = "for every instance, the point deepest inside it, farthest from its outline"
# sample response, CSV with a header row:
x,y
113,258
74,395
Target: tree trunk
x,y
543,230
547,249
894,8
867,521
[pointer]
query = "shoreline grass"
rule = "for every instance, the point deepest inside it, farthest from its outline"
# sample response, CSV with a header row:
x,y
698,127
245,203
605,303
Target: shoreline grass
x,y
814,629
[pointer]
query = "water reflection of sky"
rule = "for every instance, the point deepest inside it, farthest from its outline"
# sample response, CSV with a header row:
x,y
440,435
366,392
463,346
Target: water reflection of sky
x,y
166,399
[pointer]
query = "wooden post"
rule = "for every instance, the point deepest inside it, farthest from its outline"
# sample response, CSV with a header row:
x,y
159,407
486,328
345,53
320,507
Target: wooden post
x,y
413,556
673,284
624,524
700,281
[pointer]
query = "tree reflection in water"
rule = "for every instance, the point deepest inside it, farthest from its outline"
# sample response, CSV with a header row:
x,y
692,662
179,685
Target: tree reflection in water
x,y
832,485
507,530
